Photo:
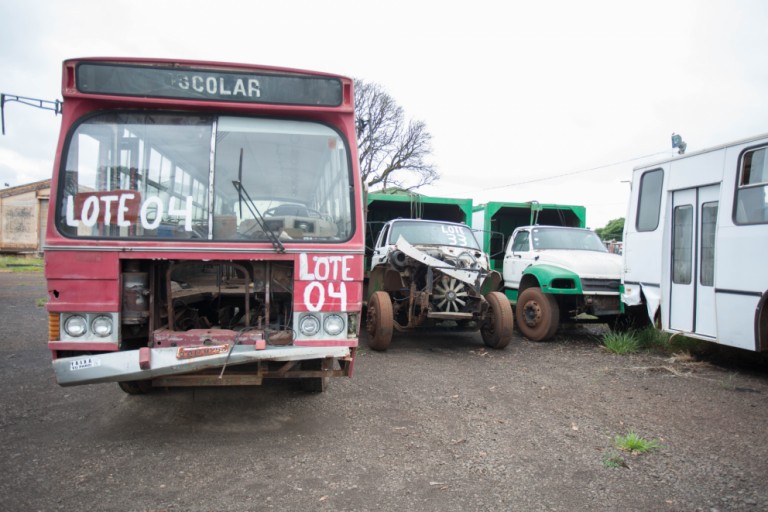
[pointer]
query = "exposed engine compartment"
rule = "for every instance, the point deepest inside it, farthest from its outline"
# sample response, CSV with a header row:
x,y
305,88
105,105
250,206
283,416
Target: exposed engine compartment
x,y
184,296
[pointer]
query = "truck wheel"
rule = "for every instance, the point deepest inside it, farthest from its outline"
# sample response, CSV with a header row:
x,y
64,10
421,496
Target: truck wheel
x,y
379,321
498,326
538,315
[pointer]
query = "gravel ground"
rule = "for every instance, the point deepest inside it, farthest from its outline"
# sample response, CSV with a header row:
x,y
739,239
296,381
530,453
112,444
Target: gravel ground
x,y
436,423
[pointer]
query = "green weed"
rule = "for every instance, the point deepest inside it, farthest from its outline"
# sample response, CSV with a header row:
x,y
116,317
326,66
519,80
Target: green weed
x,y
652,338
41,302
634,443
621,342
614,460
729,382
678,342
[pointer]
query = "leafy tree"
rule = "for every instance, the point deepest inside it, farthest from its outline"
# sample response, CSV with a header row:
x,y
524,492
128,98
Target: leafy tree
x,y
614,230
393,152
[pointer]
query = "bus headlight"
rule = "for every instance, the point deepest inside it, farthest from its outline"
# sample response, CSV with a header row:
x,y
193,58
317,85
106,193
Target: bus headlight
x,y
309,325
333,324
102,326
75,326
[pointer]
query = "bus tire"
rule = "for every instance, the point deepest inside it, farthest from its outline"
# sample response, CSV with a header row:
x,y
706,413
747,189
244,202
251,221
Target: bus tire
x,y
499,325
537,314
136,387
379,321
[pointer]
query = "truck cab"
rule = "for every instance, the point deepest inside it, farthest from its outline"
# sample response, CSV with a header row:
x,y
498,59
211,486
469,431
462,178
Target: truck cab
x,y
554,274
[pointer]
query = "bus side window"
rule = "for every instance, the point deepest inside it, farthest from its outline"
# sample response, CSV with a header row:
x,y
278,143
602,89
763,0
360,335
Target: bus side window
x,y
752,192
649,200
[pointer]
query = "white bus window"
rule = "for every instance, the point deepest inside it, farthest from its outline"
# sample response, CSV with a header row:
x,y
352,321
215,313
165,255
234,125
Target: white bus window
x,y
708,225
752,194
649,200
682,247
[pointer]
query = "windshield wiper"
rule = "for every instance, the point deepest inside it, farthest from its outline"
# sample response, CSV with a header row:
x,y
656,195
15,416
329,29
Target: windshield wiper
x,y
276,243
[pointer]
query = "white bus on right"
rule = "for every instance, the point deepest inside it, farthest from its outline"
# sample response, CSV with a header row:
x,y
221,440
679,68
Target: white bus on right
x,y
696,244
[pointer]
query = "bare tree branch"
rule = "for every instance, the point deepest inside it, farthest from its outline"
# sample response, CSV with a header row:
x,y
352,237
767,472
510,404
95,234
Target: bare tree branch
x,y
392,153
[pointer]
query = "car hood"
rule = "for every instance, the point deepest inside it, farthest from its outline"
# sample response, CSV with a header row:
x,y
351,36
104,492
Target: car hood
x,y
583,263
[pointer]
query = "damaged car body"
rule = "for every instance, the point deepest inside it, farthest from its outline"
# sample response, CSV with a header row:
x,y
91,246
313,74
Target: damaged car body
x,y
428,273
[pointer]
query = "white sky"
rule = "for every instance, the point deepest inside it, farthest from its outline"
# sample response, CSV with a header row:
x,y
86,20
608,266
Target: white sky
x,y
511,91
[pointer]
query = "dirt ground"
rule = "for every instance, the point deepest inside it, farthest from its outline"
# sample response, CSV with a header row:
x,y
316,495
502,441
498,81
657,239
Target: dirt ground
x,y
435,423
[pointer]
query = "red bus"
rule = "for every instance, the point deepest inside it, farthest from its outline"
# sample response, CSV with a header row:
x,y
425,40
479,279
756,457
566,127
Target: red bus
x,y
206,225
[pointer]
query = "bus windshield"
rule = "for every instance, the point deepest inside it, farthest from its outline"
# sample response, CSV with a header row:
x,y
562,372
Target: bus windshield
x,y
567,239
433,233
176,176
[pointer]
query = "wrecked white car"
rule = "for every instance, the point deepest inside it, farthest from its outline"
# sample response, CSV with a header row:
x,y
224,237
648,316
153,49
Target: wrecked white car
x,y
427,273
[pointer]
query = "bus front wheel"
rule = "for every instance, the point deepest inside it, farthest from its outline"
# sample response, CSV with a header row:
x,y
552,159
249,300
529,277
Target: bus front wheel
x,y
136,387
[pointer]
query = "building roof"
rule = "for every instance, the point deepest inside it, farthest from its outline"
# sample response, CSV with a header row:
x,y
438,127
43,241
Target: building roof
x,y
23,189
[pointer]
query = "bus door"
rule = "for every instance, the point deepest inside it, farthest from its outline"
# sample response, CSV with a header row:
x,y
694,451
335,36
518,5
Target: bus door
x,y
692,290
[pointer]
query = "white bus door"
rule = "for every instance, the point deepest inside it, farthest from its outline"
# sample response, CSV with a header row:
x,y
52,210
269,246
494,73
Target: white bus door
x,y
692,290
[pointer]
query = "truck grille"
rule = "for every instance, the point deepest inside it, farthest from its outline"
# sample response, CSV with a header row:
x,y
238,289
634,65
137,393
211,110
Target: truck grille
x,y
600,285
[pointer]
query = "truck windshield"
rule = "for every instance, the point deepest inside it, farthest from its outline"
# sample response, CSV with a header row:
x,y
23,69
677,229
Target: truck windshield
x,y
434,233
570,239
175,176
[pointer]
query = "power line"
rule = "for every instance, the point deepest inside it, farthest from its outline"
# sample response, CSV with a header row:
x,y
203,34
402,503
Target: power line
x,y
534,180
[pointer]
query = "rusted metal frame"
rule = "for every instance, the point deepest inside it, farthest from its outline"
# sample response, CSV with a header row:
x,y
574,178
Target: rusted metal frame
x,y
246,290
239,379
169,292
228,379
267,292
283,370
235,378
169,298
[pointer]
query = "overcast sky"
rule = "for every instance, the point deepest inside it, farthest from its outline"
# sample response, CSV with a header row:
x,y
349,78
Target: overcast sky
x,y
519,96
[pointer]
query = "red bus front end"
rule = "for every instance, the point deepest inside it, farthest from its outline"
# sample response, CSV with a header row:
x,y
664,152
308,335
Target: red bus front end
x,y
206,226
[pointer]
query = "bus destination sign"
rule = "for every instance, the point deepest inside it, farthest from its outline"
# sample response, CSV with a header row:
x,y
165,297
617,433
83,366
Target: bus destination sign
x,y
211,85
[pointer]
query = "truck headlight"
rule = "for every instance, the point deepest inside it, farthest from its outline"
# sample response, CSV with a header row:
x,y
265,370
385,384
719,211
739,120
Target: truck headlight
x,y
75,326
333,324
102,326
466,260
309,325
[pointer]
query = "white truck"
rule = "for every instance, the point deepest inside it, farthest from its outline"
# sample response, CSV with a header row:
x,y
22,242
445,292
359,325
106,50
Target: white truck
x,y
424,273
554,274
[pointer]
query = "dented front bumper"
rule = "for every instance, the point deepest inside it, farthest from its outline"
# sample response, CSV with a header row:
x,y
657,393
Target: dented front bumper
x,y
146,363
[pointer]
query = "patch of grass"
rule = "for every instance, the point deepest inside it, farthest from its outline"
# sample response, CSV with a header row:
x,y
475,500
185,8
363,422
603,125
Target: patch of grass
x,y
614,460
652,338
678,342
20,264
621,342
729,382
634,443
41,302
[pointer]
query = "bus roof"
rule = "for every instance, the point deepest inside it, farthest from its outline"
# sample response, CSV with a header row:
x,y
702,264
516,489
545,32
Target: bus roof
x,y
746,140
187,80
